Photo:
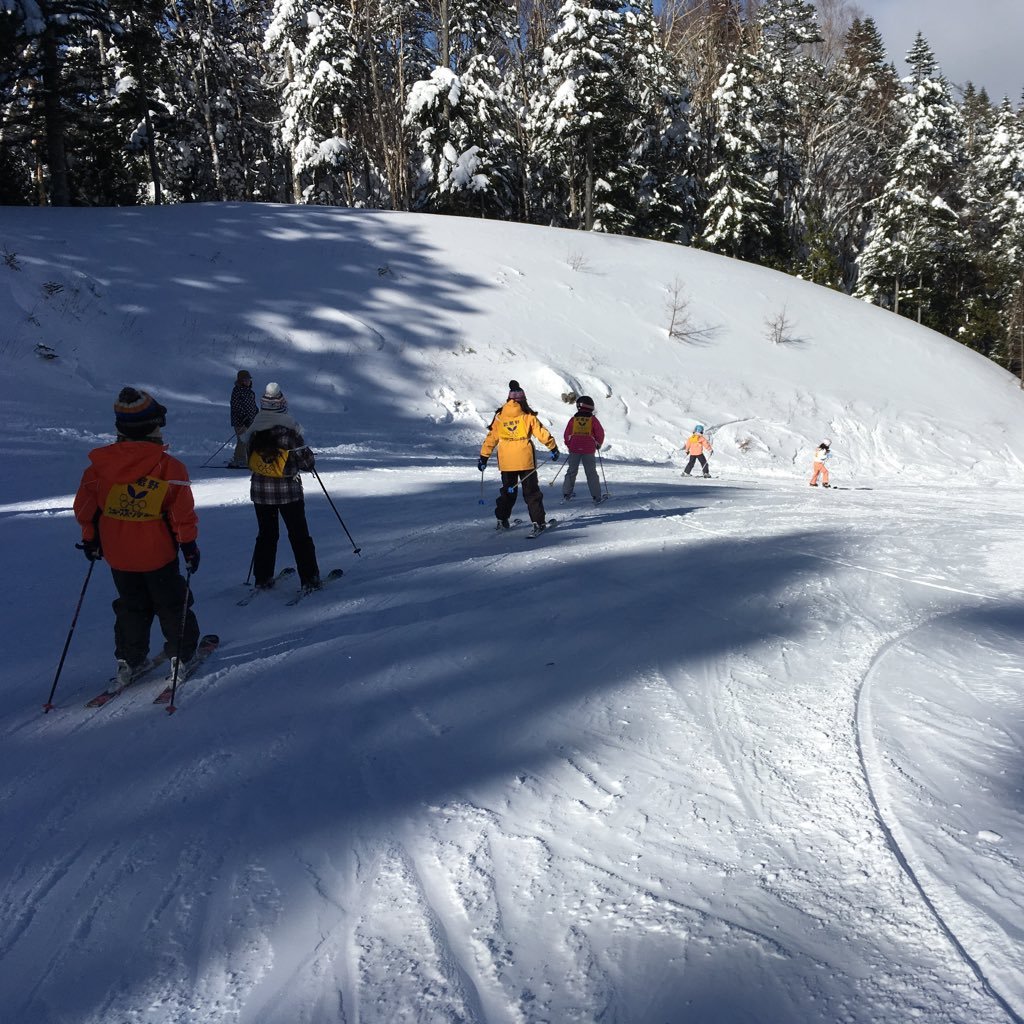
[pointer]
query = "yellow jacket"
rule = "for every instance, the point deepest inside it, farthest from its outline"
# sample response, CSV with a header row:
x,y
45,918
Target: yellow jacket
x,y
515,430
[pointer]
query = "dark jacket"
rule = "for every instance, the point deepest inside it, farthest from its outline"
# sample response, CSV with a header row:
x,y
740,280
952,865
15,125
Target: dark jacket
x,y
243,407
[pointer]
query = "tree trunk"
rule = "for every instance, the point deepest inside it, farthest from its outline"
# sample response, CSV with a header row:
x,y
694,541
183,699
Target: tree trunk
x,y
588,196
56,156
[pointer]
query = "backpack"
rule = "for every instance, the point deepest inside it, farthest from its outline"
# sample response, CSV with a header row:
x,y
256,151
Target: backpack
x,y
266,456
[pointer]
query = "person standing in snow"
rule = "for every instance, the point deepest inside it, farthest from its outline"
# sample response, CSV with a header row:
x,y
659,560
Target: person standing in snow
x,y
583,437
135,507
277,452
696,445
512,431
243,412
821,455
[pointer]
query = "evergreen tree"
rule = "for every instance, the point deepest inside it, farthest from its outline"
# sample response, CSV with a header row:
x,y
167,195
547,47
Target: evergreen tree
x,y
52,75
995,220
313,44
915,256
849,146
581,117
652,193
736,218
459,113
790,86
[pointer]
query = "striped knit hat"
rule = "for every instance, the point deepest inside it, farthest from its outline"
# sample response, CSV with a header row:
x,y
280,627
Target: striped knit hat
x,y
515,392
138,414
273,400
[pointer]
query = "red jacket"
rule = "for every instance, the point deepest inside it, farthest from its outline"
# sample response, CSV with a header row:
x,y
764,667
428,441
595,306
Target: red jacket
x,y
140,499
583,435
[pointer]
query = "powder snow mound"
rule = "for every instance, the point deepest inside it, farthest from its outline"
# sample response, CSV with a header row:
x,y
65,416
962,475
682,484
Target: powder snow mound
x,y
372,311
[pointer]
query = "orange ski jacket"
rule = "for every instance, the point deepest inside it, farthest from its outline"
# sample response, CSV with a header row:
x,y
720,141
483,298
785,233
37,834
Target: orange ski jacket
x,y
696,444
139,499
512,432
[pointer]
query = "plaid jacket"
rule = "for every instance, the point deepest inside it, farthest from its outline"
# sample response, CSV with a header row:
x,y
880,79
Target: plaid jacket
x,y
283,490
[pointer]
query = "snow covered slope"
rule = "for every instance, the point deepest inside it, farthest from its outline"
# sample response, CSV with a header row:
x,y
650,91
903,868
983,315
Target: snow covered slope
x,y
726,752
410,322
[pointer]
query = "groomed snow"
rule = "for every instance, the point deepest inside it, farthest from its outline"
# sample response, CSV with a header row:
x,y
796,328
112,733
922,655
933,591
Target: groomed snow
x,y
712,752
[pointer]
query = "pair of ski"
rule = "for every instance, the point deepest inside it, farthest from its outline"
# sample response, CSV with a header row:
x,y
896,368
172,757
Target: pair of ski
x,y
207,645
533,534
334,574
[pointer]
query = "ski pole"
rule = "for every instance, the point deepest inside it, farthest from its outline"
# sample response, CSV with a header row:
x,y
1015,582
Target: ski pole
x,y
48,706
600,459
515,486
355,550
181,639
217,452
252,564
481,501
551,482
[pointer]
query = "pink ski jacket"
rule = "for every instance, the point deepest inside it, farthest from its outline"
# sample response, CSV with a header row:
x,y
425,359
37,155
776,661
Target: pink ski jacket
x,y
583,435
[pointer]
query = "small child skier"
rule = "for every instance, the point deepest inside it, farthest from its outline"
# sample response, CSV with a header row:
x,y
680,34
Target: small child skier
x,y
583,436
821,455
696,445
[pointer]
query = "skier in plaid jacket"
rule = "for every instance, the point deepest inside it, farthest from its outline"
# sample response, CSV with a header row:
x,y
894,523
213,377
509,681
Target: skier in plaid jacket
x,y
280,494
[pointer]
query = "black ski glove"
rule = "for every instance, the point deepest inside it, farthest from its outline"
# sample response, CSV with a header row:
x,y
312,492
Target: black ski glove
x,y
91,549
190,551
482,463
554,455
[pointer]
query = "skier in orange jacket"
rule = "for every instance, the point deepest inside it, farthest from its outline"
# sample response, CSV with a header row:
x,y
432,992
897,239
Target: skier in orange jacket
x,y
696,445
134,505
512,431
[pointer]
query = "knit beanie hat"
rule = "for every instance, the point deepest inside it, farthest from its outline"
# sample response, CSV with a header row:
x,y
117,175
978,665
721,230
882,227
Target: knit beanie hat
x,y
515,392
138,415
273,400
585,403
244,377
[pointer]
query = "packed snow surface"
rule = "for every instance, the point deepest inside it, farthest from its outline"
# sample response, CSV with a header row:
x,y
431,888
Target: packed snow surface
x,y
710,752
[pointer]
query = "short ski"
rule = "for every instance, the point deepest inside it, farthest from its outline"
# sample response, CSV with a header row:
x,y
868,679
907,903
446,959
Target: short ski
x,y
535,533
113,690
255,591
334,574
207,645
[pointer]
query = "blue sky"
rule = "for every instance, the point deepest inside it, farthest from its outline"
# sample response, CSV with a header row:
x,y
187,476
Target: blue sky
x,y
982,42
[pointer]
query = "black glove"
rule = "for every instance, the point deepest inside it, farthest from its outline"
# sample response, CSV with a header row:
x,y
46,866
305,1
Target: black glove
x,y
482,463
554,455
91,549
190,551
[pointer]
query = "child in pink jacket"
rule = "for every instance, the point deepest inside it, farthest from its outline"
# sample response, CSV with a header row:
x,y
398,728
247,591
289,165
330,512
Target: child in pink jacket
x,y
583,436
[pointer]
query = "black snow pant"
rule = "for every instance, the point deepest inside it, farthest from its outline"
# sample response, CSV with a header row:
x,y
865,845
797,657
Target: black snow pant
x,y
143,596
265,555
697,458
510,481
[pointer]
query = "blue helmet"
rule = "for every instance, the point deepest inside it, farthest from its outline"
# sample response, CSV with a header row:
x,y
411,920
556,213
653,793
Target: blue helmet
x,y
699,429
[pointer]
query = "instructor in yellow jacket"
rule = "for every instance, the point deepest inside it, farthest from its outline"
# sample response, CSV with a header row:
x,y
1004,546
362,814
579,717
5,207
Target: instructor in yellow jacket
x,y
512,431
